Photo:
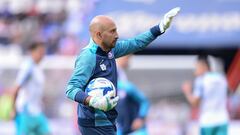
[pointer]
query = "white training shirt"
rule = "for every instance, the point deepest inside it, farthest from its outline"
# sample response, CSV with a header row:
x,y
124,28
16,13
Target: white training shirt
x,y
211,88
31,80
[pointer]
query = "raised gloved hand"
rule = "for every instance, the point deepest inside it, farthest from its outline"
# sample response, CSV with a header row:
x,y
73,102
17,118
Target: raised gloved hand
x,y
105,103
167,19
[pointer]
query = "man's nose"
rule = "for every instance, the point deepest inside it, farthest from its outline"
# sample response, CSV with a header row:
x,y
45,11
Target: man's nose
x,y
116,36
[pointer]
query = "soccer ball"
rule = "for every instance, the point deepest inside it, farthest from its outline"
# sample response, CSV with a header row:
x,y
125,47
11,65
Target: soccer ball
x,y
100,87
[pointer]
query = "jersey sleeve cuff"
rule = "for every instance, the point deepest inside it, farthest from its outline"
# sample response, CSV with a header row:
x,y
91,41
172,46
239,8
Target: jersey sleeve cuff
x,y
80,97
155,30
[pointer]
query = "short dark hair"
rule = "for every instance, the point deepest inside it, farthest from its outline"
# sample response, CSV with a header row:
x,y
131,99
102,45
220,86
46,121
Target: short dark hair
x,y
34,45
204,59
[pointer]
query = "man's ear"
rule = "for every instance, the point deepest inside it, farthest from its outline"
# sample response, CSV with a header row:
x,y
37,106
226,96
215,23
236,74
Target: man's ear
x,y
99,35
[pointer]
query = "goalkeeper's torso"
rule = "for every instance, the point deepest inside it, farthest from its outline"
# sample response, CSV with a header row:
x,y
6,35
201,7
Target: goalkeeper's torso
x,y
105,66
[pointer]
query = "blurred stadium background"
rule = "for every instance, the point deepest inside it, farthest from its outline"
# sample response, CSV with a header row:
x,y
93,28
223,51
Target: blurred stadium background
x,y
203,27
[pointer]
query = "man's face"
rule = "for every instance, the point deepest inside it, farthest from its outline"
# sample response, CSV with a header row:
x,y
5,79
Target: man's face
x,y
40,52
200,68
110,36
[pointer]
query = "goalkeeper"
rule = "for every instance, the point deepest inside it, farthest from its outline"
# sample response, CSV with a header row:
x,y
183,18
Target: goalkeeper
x,y
97,115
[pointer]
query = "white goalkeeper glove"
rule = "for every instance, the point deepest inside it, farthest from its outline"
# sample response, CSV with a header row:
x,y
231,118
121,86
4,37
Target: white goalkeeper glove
x,y
104,103
166,21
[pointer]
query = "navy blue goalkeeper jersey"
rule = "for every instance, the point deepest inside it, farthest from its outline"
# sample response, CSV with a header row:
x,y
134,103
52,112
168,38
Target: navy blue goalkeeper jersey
x,y
93,62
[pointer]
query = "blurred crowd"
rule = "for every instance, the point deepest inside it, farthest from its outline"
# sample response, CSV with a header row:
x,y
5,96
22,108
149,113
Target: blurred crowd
x,y
56,22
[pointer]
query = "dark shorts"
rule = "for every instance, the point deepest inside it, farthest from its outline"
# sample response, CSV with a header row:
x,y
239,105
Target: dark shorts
x,y
105,130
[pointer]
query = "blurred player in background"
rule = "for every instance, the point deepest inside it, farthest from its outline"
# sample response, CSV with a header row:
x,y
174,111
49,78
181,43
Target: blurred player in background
x,y
132,106
210,94
97,115
28,94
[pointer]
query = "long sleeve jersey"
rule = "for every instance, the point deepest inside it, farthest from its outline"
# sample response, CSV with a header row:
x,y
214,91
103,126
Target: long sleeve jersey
x,y
93,62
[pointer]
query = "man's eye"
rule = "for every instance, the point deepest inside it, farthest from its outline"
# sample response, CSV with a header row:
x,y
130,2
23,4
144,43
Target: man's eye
x,y
112,31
